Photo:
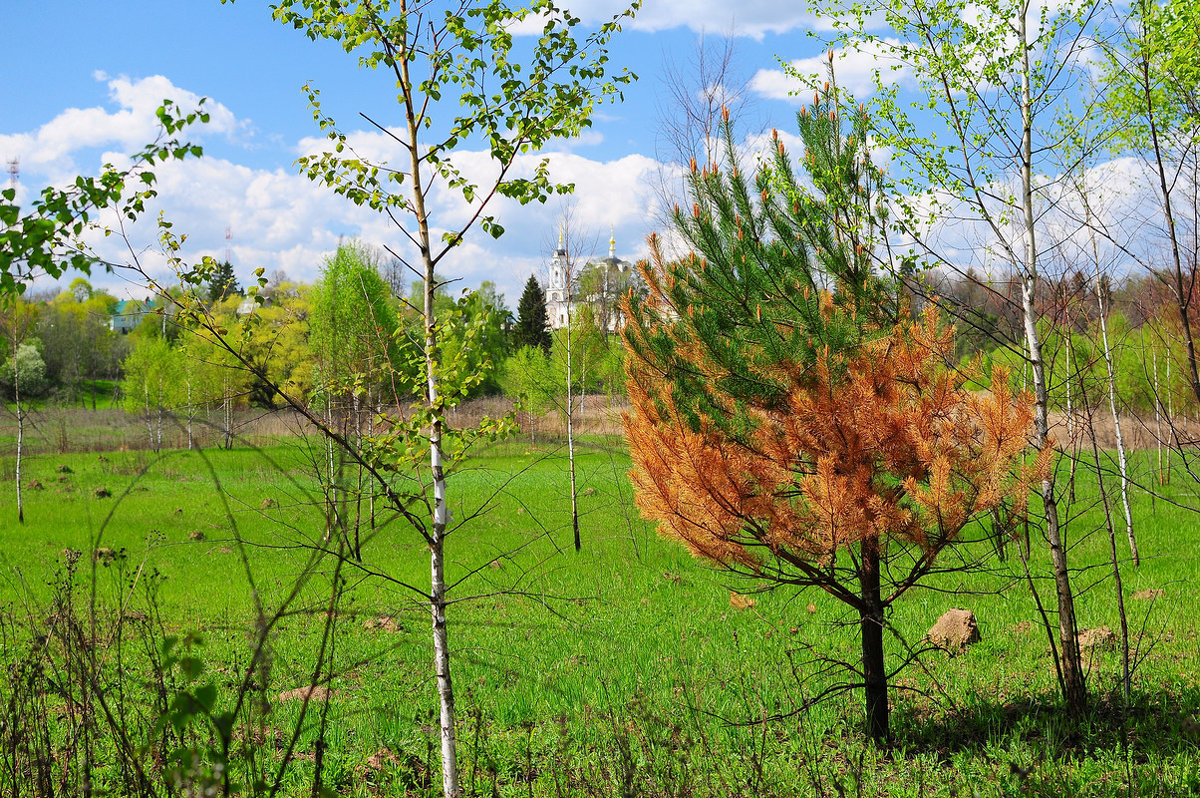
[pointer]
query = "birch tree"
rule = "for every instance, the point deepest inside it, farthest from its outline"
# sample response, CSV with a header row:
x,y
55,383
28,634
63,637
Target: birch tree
x,y
996,77
1153,97
462,79
23,371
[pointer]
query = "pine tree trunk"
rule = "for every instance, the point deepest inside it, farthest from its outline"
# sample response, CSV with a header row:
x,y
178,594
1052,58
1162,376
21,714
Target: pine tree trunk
x,y
875,688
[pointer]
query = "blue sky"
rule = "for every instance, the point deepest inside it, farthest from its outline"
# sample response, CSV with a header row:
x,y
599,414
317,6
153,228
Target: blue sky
x,y
79,82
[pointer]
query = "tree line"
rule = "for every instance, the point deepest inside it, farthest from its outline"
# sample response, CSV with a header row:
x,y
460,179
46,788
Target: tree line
x,y
69,348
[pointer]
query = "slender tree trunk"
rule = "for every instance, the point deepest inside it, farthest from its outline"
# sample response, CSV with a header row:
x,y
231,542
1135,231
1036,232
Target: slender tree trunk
x,y
20,431
1115,563
1122,460
1157,415
1073,677
1170,417
149,420
1111,373
570,426
1183,297
227,410
358,471
441,515
1072,424
330,495
371,431
871,620
191,412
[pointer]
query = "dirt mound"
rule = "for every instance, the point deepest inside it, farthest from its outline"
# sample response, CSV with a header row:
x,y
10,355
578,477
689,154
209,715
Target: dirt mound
x,y
955,631
311,693
1099,638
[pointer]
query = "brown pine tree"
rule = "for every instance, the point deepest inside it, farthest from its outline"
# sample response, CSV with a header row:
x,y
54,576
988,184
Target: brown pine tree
x,y
877,457
789,420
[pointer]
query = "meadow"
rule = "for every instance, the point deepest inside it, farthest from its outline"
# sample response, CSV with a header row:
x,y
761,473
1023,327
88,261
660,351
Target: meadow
x,y
629,668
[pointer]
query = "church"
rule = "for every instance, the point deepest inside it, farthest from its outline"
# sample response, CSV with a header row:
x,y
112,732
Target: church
x,y
600,284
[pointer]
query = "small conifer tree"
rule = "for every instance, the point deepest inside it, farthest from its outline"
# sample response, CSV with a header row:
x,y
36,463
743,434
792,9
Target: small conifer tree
x,y
788,420
533,324
223,282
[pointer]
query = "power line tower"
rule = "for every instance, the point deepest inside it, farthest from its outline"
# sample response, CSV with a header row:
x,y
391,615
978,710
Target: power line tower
x,y
14,172
228,244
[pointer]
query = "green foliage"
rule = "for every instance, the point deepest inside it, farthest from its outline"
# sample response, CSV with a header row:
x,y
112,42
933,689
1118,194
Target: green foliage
x,y
462,58
352,325
1154,73
529,377
201,730
77,342
589,347
483,312
533,325
655,653
46,240
749,295
25,371
956,149
603,288
222,283
151,371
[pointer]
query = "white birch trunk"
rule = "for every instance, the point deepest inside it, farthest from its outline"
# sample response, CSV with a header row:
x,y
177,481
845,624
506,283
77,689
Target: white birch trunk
x,y
1072,425
1122,462
441,515
20,430
1170,416
149,419
191,412
570,421
1157,414
1074,688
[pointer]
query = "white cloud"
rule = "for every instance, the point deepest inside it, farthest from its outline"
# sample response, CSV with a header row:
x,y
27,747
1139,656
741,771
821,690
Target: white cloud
x,y
752,18
50,152
281,220
855,68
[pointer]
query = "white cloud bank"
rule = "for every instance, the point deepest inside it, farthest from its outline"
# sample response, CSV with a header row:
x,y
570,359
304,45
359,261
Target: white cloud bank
x,y
856,69
281,220
50,151
751,18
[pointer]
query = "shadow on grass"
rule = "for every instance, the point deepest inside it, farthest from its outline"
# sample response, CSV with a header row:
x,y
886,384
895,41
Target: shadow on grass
x,y
1149,726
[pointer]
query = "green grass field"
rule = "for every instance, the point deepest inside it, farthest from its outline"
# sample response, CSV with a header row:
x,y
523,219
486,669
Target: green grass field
x,y
622,669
